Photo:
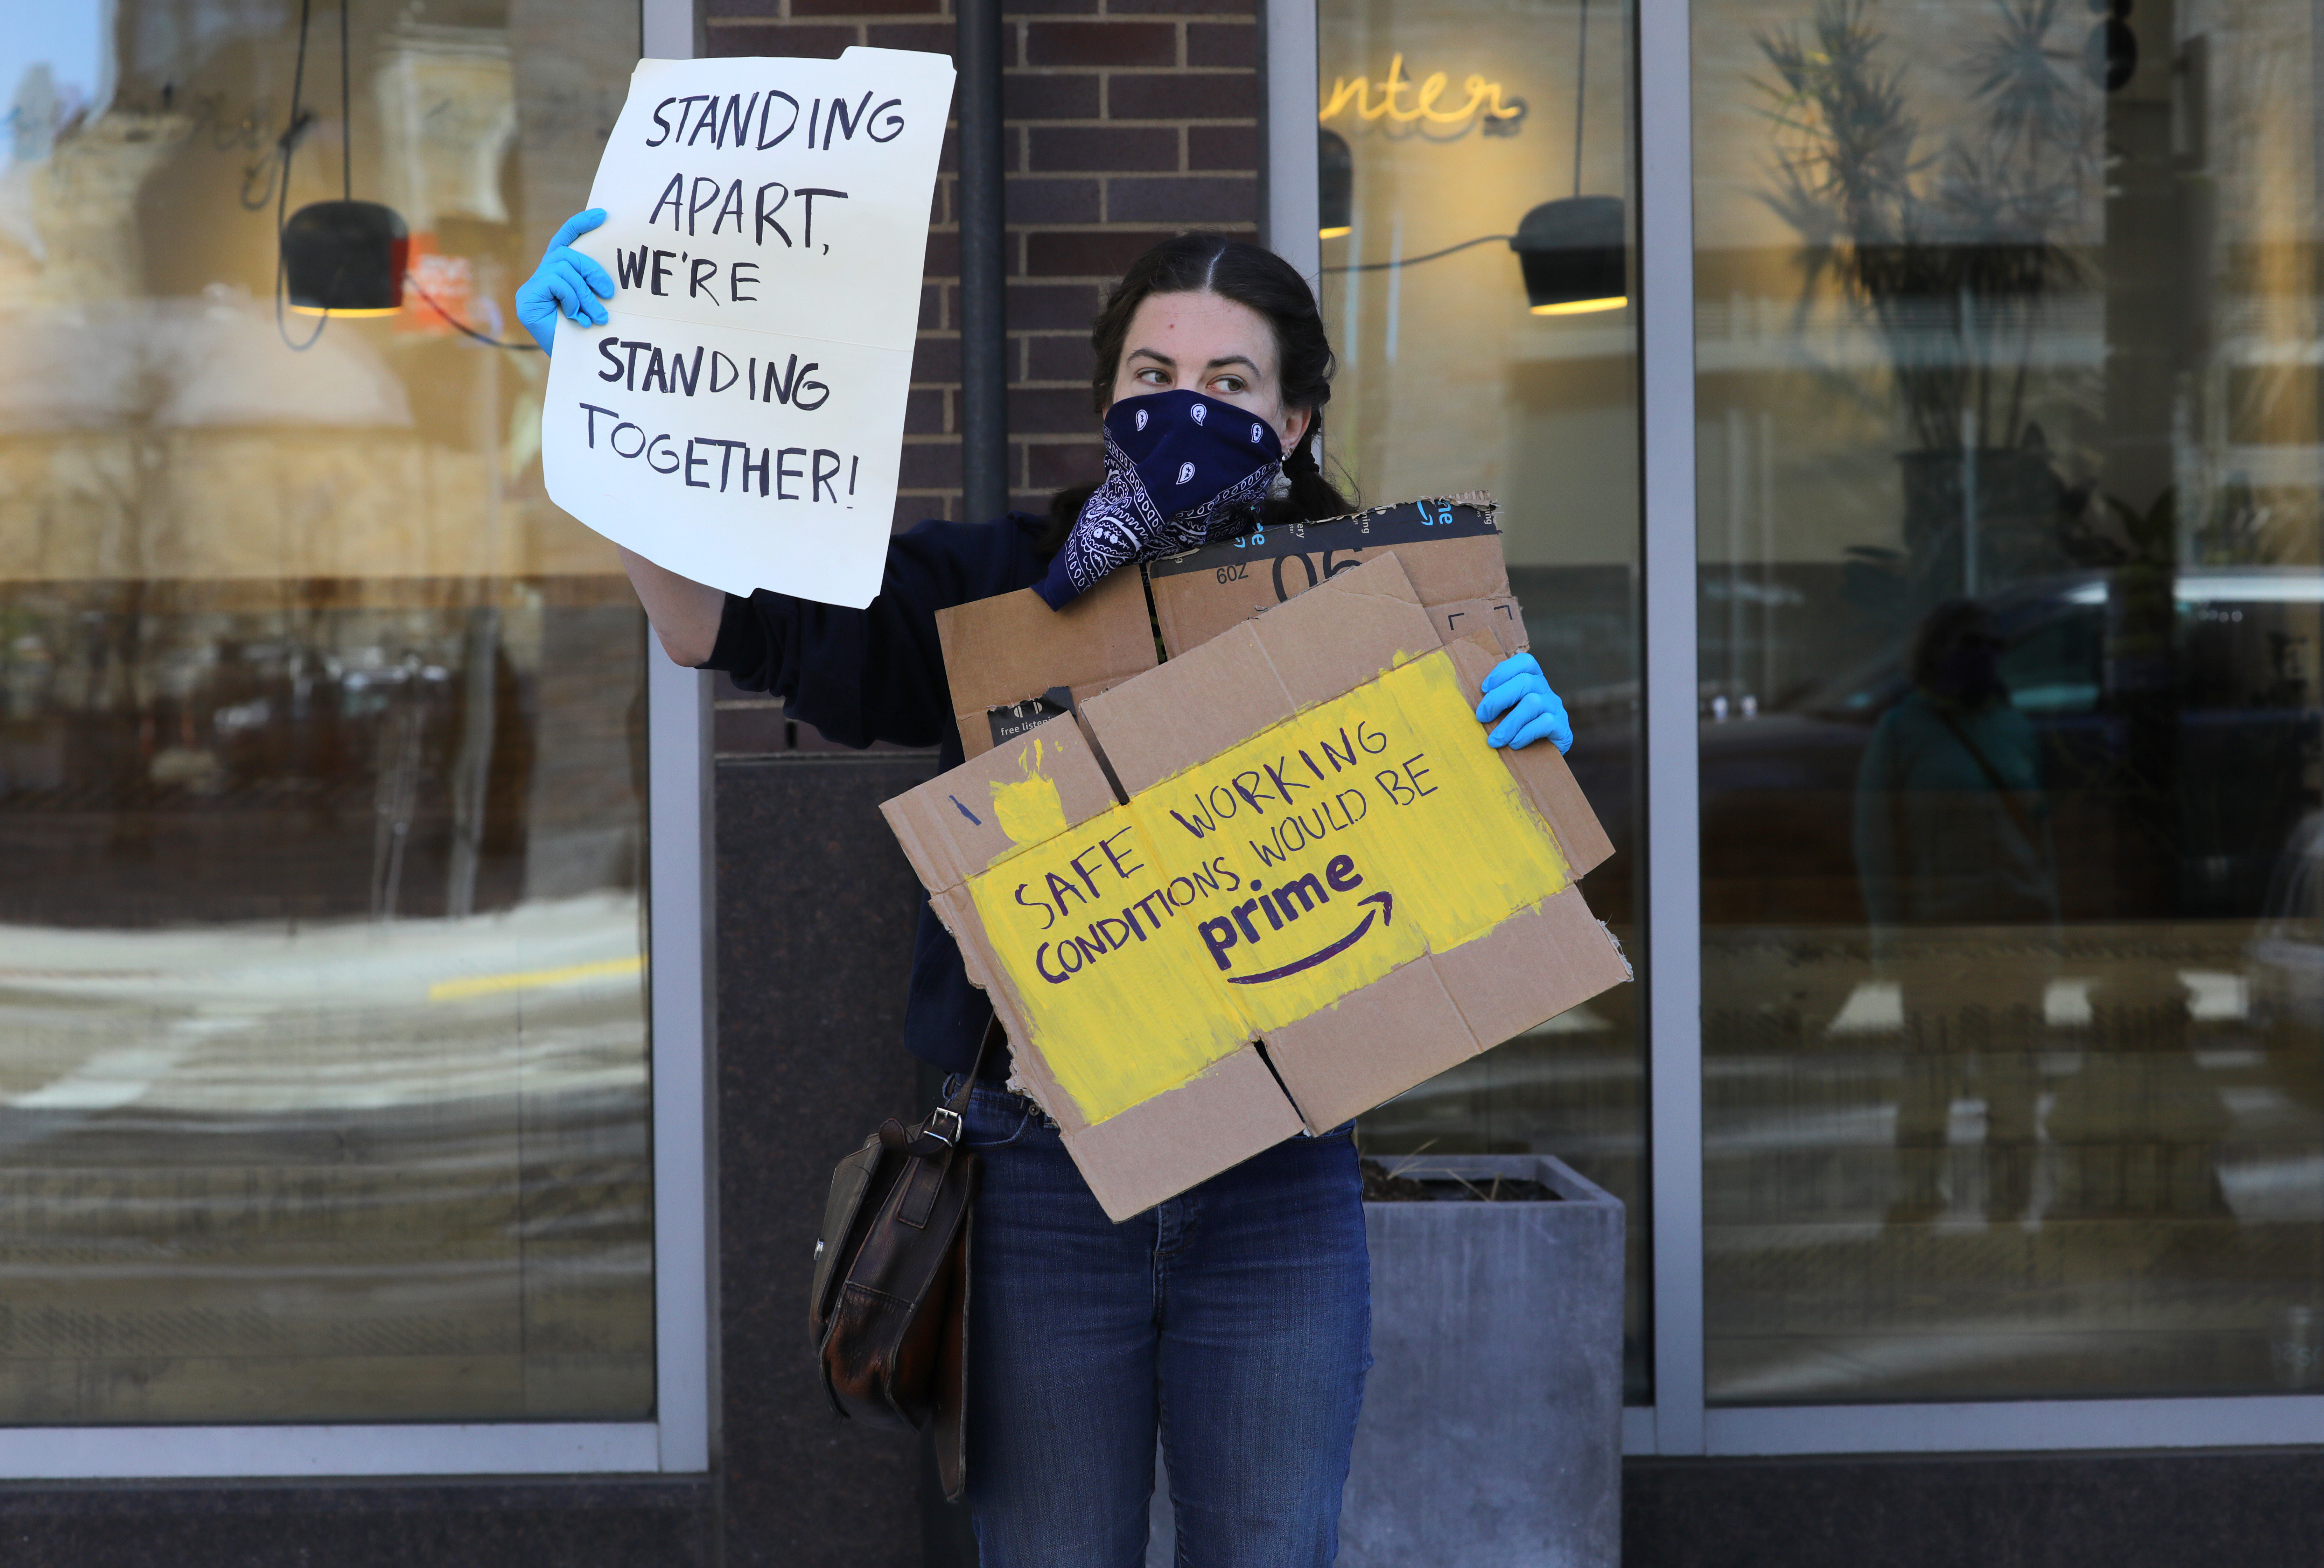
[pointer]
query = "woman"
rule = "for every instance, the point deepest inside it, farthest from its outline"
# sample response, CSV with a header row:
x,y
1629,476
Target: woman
x,y
1952,829
1234,1318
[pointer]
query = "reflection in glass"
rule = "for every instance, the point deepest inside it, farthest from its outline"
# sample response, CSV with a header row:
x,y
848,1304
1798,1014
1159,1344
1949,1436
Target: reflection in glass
x,y
1953,829
2010,603
1444,122
322,1029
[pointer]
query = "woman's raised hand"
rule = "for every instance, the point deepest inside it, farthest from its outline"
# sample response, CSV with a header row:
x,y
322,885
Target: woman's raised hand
x,y
565,280
1517,694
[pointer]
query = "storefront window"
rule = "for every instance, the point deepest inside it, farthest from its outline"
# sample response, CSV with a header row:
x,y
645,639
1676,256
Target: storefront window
x,y
2009,510
323,1085
1450,129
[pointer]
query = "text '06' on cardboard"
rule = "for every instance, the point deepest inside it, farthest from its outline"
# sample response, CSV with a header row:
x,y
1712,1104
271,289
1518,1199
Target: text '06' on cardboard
x,y
1270,881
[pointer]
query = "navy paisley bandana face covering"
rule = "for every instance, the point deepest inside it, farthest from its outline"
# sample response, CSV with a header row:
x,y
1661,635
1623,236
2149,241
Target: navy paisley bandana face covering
x,y
1179,470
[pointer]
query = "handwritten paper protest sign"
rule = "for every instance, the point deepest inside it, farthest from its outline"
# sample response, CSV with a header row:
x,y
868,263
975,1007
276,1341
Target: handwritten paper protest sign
x,y
738,420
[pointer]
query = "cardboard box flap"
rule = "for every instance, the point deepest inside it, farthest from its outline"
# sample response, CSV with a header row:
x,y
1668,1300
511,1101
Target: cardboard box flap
x,y
1012,661
1502,616
1313,648
1547,781
1200,594
1532,967
957,911
959,823
1189,1134
1435,1012
1013,646
1196,705
1358,626
1371,1044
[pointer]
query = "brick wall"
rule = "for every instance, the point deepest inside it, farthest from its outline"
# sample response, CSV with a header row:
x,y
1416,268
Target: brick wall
x,y
1127,120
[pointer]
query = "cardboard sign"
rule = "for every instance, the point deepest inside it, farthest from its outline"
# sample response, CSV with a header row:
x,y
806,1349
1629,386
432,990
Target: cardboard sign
x,y
1012,661
1263,886
738,422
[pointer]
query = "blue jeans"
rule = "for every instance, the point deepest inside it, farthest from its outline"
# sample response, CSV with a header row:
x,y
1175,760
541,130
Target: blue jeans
x,y
1236,1317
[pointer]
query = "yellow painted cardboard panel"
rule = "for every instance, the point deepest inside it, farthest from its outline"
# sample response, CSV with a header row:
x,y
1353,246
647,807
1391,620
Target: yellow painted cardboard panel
x,y
1252,889
1034,787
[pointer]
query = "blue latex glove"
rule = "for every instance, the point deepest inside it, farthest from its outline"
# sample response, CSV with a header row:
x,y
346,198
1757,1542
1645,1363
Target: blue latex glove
x,y
565,280
1517,694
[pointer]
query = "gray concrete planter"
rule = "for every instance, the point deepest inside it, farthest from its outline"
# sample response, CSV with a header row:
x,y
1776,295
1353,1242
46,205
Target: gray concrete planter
x,y
1492,1424
1491,1434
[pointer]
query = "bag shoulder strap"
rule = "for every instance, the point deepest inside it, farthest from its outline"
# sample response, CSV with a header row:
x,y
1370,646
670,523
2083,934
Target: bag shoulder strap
x,y
954,1111
2009,800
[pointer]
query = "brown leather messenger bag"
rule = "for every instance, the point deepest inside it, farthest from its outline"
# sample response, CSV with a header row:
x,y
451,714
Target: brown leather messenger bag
x,y
888,1319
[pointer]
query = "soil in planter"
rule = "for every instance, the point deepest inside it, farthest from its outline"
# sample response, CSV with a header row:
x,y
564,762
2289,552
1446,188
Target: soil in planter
x,y
1383,1187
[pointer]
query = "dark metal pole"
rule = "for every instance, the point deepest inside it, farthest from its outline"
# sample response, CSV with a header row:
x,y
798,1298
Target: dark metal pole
x,y
984,266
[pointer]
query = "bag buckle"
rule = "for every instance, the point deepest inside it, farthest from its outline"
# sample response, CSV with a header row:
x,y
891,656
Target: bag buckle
x,y
947,1140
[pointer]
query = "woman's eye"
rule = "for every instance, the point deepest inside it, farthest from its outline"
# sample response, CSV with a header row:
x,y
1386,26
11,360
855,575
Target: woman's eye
x,y
1151,376
1227,384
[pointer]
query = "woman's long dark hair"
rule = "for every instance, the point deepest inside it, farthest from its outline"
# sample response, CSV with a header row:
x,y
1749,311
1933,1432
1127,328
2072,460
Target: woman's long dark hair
x,y
1236,270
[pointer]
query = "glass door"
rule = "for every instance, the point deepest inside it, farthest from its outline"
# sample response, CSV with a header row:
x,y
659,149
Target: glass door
x,y
1475,175
2009,490
323,1071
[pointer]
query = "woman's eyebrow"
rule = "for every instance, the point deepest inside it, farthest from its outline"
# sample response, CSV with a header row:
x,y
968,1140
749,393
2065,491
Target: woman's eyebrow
x,y
1242,359
1153,353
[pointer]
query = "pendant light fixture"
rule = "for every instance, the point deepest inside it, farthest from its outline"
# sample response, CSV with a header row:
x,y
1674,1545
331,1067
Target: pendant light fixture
x,y
1573,252
335,258
1335,185
345,258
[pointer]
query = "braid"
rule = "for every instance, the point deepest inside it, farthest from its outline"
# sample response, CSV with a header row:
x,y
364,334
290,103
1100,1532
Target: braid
x,y
1313,496
1301,458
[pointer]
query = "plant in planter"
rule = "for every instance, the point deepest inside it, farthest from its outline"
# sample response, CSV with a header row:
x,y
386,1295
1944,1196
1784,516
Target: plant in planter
x,y
1492,1431
1493,1413
1952,251
1492,1423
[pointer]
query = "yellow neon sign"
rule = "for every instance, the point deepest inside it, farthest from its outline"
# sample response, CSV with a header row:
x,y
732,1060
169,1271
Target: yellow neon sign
x,y
1582,307
1484,102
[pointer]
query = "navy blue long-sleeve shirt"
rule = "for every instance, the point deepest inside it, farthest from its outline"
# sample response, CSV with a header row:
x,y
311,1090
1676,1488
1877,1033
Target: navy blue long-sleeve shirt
x,y
877,674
